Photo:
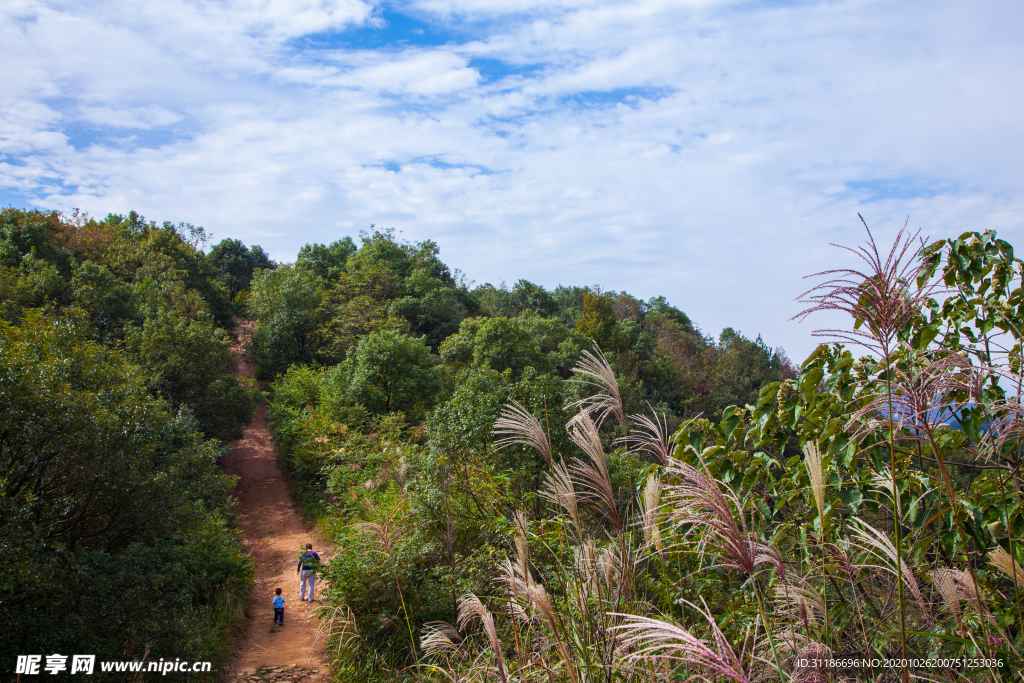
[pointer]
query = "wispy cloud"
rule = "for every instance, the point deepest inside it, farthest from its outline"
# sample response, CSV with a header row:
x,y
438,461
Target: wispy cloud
x,y
707,151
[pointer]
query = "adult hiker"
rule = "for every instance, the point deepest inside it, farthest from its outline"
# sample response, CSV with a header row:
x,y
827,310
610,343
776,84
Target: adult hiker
x,y
309,562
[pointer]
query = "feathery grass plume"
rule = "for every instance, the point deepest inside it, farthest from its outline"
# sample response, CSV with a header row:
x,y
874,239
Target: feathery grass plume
x,y
883,300
698,500
539,598
521,428
929,393
511,576
648,639
594,370
812,459
651,513
800,601
884,297
955,585
339,627
586,564
471,608
877,544
945,584
384,535
812,664
559,490
621,566
593,477
522,546
651,436
438,638
1001,560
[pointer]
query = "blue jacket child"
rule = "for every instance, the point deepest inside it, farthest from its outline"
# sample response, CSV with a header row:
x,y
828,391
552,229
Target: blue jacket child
x,y
278,607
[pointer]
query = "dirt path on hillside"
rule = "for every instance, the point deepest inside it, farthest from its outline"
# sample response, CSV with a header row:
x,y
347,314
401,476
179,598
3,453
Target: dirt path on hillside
x,y
274,532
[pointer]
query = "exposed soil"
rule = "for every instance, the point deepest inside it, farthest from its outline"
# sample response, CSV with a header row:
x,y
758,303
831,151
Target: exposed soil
x,y
274,531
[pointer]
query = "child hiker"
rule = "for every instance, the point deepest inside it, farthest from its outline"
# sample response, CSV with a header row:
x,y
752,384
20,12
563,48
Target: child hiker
x,y
309,561
278,607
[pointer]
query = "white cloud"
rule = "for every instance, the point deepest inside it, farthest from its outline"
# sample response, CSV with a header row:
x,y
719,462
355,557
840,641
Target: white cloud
x,y
705,151
419,73
135,117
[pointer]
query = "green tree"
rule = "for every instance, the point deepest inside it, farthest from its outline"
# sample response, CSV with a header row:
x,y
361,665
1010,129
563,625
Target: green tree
x,y
391,372
286,305
109,302
113,514
237,263
598,322
36,233
524,296
189,362
326,261
144,251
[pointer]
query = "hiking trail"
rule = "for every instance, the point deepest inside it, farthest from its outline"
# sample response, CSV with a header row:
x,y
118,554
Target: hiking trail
x,y
274,530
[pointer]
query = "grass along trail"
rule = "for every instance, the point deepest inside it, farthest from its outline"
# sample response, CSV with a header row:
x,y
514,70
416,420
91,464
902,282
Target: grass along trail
x,y
274,531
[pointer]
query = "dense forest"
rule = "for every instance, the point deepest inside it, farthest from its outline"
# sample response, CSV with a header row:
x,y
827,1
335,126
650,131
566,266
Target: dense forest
x,y
117,390
521,484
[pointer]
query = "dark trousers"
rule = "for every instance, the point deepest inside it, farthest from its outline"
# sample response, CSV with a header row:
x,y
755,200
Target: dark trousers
x,y
279,615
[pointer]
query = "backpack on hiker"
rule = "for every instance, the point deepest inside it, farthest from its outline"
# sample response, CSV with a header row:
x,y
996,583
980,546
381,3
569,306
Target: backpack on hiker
x,y
310,561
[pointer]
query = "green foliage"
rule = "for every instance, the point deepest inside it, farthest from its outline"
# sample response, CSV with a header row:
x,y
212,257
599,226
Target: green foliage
x,y
32,233
597,321
139,286
237,263
326,261
32,284
286,304
513,344
145,252
113,516
392,372
524,296
109,302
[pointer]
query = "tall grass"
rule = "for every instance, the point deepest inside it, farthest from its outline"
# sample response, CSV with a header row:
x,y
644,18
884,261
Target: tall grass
x,y
840,518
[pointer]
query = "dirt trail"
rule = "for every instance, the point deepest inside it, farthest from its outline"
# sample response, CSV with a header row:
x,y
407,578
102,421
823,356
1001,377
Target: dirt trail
x,y
274,531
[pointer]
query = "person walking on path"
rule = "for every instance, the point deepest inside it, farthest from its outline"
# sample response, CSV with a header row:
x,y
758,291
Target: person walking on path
x,y
309,561
278,607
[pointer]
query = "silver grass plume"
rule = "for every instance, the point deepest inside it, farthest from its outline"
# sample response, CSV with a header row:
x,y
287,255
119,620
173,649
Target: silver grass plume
x,y
593,477
945,583
471,608
521,428
522,547
439,638
539,598
586,563
559,490
1001,560
512,577
877,544
800,601
698,500
883,298
813,461
813,664
340,627
594,370
651,502
651,436
649,638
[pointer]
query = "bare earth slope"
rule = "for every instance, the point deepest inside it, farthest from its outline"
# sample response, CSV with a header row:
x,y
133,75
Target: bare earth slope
x,y
274,532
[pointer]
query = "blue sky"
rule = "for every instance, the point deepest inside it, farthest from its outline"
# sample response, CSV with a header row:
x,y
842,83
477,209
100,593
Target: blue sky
x,y
707,151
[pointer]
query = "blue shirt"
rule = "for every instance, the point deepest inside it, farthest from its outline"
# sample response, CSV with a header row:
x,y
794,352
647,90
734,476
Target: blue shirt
x,y
279,602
